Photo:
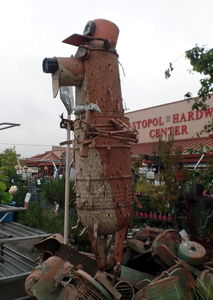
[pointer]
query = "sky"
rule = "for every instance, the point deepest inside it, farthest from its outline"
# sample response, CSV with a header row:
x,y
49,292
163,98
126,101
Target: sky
x,y
152,34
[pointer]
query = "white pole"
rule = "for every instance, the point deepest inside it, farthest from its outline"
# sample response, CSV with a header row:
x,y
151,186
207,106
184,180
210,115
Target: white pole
x,y
67,183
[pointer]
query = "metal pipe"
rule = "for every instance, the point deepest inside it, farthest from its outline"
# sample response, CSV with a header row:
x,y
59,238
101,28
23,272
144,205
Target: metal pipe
x,y
67,180
197,164
6,240
24,298
14,276
4,217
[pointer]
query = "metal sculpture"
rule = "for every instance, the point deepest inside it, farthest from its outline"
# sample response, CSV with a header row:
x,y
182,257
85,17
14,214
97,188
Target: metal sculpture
x,y
102,138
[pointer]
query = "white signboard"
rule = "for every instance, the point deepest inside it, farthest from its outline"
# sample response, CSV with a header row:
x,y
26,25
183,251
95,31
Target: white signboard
x,y
150,175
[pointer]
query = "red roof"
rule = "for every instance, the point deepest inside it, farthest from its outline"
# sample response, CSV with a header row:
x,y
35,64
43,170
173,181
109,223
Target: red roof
x,y
47,158
184,144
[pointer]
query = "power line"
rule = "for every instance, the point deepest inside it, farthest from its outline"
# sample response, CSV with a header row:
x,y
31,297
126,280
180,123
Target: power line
x,y
34,145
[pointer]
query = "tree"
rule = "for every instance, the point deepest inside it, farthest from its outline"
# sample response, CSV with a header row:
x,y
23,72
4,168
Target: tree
x,y
8,161
201,60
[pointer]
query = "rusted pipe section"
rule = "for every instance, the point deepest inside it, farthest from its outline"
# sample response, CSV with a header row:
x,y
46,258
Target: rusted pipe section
x,y
102,136
102,153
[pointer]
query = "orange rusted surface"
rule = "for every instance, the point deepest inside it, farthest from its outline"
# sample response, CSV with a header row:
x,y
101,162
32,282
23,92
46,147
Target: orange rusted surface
x,y
97,29
102,137
102,153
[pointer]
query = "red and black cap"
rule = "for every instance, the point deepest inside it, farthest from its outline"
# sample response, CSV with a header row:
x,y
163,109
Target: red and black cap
x,y
97,29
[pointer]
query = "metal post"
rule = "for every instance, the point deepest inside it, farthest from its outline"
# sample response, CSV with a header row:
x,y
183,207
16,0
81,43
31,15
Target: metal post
x,y
67,181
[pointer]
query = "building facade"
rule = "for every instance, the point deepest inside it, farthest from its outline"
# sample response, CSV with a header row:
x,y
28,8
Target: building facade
x,y
48,163
175,119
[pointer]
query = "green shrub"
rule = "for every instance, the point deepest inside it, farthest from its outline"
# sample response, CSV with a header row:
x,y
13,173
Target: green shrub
x,y
33,216
53,190
4,196
19,196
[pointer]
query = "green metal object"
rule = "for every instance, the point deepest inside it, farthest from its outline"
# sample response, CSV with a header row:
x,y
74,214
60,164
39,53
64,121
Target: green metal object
x,y
99,287
134,276
187,281
205,284
167,289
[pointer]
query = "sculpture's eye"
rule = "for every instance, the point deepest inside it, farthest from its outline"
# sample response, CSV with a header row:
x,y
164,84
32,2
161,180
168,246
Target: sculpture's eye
x,y
89,28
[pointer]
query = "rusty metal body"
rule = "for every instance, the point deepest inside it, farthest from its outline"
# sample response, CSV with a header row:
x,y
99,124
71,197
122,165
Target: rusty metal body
x,y
102,154
102,136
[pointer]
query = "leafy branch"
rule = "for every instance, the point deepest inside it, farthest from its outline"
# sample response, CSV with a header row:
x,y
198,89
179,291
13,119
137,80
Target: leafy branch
x,y
201,60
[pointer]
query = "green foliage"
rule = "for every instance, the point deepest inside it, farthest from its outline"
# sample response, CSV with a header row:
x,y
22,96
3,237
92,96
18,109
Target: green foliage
x,y
164,197
4,196
36,216
54,190
19,196
32,217
8,161
201,60
169,70
157,197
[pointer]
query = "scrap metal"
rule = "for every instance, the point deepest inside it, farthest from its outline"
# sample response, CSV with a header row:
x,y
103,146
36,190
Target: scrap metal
x,y
102,136
173,279
155,262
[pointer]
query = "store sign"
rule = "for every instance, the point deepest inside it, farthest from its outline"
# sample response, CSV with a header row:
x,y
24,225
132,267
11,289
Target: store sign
x,y
175,118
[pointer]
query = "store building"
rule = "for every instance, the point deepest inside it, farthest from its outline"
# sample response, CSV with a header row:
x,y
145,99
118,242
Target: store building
x,y
50,162
177,119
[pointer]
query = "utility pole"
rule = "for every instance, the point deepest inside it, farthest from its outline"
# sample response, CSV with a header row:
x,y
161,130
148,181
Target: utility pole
x,y
66,96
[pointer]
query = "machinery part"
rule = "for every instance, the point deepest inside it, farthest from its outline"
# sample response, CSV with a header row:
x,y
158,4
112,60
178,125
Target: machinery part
x,y
147,233
192,252
102,278
94,283
63,123
127,255
44,281
51,243
137,246
65,72
50,65
167,288
46,254
170,238
86,290
31,280
66,96
165,254
205,283
126,289
142,284
187,281
135,277
80,109
69,292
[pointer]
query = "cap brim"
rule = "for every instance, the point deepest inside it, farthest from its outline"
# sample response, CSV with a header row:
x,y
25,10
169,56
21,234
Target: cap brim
x,y
77,39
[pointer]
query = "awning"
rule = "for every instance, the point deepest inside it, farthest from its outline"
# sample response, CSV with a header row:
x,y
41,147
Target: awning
x,y
185,144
